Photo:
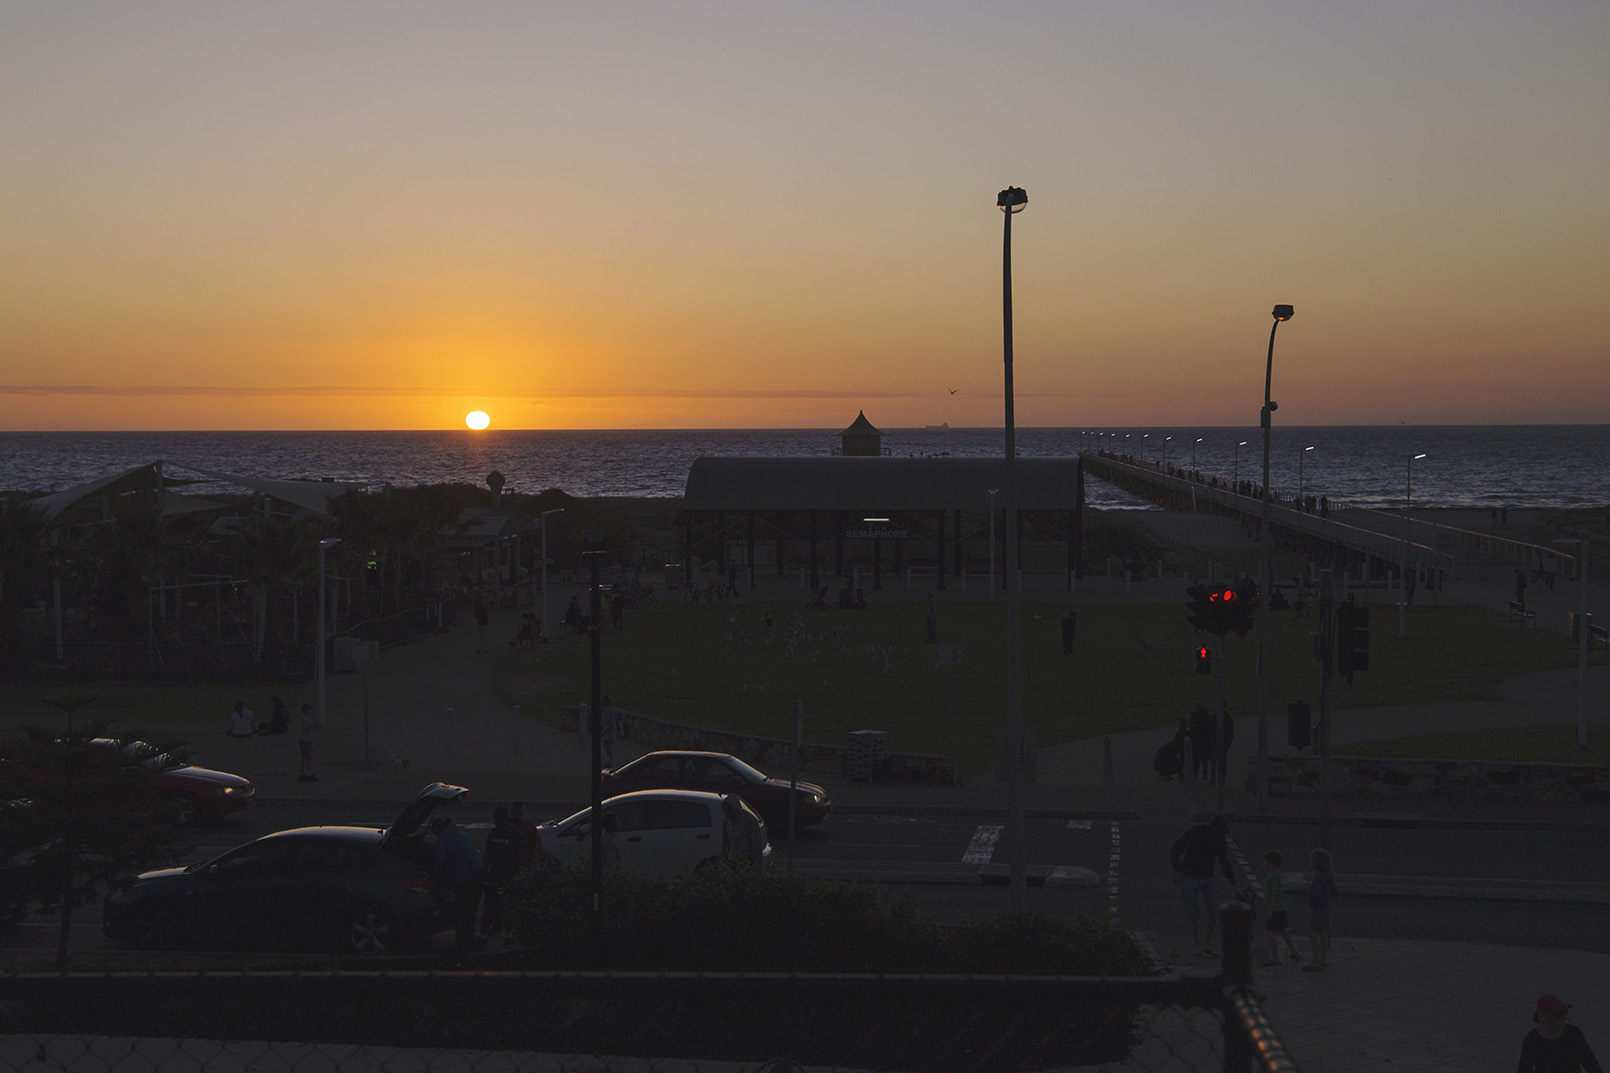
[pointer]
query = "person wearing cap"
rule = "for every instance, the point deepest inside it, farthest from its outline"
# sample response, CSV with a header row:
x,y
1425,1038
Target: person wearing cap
x,y
1554,1046
1192,859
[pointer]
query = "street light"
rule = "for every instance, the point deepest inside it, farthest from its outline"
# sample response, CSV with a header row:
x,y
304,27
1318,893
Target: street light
x,y
1237,479
1165,451
1011,201
1281,313
1193,452
1582,638
1403,578
324,545
543,521
1300,456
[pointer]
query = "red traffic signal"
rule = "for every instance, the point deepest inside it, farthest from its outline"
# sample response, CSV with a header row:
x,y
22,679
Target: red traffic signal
x,y
1204,660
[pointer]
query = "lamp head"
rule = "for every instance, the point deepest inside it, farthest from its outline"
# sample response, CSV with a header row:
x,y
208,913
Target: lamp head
x,y
1283,312
1012,199
1419,456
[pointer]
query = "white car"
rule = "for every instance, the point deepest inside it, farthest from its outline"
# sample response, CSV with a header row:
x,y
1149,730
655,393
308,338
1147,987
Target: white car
x,y
660,832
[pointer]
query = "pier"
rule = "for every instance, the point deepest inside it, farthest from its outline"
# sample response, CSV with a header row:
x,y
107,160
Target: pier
x,y
1369,544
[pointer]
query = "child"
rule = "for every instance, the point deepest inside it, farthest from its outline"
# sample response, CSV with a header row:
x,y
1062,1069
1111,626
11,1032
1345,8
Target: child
x,y
1321,893
1274,896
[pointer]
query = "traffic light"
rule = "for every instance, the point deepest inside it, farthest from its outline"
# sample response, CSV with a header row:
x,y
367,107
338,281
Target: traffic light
x,y
1352,639
1204,659
1210,608
1241,605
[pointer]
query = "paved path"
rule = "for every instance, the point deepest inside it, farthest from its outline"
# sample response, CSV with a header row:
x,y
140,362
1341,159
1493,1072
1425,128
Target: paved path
x,y
1385,1005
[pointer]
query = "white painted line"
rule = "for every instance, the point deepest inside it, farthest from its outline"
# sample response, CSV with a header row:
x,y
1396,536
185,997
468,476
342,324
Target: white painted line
x,y
1072,876
1078,825
982,847
1112,877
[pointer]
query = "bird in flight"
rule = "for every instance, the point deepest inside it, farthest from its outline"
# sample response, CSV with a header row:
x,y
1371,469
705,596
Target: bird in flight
x,y
954,390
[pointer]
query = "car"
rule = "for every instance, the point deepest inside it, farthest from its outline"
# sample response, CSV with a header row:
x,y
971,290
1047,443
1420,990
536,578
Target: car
x,y
663,833
187,793
361,890
721,773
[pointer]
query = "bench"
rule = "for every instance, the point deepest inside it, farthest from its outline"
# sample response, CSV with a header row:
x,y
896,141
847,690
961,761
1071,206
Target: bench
x,y
1518,610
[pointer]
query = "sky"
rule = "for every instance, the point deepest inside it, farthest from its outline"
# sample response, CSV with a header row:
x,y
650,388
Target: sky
x,y
382,215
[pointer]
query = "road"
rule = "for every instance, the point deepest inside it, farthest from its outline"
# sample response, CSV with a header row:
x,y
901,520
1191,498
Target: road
x,y
1438,880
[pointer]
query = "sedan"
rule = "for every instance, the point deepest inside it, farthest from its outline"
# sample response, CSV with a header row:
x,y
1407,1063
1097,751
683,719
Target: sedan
x,y
145,775
721,773
659,832
361,890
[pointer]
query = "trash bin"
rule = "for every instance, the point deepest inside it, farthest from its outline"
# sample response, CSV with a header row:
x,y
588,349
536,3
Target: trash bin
x,y
866,753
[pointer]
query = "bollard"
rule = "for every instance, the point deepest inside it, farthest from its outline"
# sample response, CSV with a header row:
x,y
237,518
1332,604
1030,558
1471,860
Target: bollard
x,y
1106,760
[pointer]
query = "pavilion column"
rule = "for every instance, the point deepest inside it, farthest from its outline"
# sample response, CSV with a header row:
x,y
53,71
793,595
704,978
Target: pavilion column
x,y
939,558
838,543
687,550
749,549
816,579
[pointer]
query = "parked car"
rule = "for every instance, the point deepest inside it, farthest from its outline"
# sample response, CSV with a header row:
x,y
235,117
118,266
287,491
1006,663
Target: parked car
x,y
721,773
188,793
659,832
361,890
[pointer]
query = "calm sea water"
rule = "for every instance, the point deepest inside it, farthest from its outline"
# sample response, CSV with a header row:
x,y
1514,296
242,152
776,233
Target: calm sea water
x,y
1465,466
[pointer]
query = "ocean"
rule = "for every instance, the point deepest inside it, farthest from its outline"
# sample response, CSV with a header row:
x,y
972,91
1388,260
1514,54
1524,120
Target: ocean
x,y
1484,466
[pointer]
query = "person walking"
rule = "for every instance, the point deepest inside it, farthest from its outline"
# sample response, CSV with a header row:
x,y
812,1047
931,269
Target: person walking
x,y
1192,858
304,744
1554,1046
1274,899
1321,896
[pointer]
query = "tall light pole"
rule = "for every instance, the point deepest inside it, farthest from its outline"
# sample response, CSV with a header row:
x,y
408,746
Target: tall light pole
x,y
1300,456
1165,450
992,492
1582,637
1011,201
1403,577
1236,480
1193,452
324,545
543,521
1281,313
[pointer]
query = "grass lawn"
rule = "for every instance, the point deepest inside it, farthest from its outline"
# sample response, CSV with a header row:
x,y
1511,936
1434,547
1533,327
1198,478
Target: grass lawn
x,y
1549,744
722,667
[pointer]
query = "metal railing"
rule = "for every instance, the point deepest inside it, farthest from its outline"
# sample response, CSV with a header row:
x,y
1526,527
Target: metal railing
x,y
601,1021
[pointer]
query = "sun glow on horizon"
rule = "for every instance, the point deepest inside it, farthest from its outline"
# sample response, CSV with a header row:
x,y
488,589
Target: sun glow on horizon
x,y
477,420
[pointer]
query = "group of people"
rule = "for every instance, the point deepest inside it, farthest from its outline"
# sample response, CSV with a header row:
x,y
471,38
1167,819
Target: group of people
x,y
243,724
1196,740
1203,847
473,877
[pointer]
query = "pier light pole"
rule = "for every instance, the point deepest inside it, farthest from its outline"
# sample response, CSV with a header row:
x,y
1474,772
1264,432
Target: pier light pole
x,y
1403,577
1281,313
1236,480
543,521
1165,452
1011,202
1582,637
1193,452
1300,456
324,545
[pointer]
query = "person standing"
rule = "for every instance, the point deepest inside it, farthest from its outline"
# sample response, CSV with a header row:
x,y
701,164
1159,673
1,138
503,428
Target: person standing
x,y
483,618
459,871
1554,1046
500,862
1192,858
528,830
304,743
1321,896
1274,900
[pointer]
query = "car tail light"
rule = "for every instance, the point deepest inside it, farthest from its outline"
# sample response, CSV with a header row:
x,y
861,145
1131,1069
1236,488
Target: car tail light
x,y
420,883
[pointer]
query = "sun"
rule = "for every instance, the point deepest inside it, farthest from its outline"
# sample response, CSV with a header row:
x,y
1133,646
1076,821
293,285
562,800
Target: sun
x,y
477,419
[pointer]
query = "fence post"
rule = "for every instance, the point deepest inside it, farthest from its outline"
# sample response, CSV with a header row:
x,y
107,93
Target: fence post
x,y
1235,931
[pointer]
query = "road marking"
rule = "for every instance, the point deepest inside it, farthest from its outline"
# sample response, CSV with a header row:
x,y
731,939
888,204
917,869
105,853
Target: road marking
x,y
982,847
1112,877
1078,825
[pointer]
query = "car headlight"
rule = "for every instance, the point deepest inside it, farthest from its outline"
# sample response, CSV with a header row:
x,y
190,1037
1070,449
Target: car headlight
x,y
225,790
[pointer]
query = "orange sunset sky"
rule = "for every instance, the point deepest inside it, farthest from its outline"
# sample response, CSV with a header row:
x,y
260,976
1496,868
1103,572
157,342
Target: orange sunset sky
x,y
683,214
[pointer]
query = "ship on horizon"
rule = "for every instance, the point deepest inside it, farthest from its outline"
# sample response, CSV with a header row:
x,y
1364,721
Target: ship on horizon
x,y
936,428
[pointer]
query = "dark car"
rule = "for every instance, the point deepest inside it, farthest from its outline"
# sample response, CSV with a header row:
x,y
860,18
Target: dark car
x,y
187,793
720,773
361,890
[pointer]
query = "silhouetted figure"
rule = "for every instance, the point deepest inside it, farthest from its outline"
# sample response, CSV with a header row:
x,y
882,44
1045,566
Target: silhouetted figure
x,y
279,718
1553,1044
